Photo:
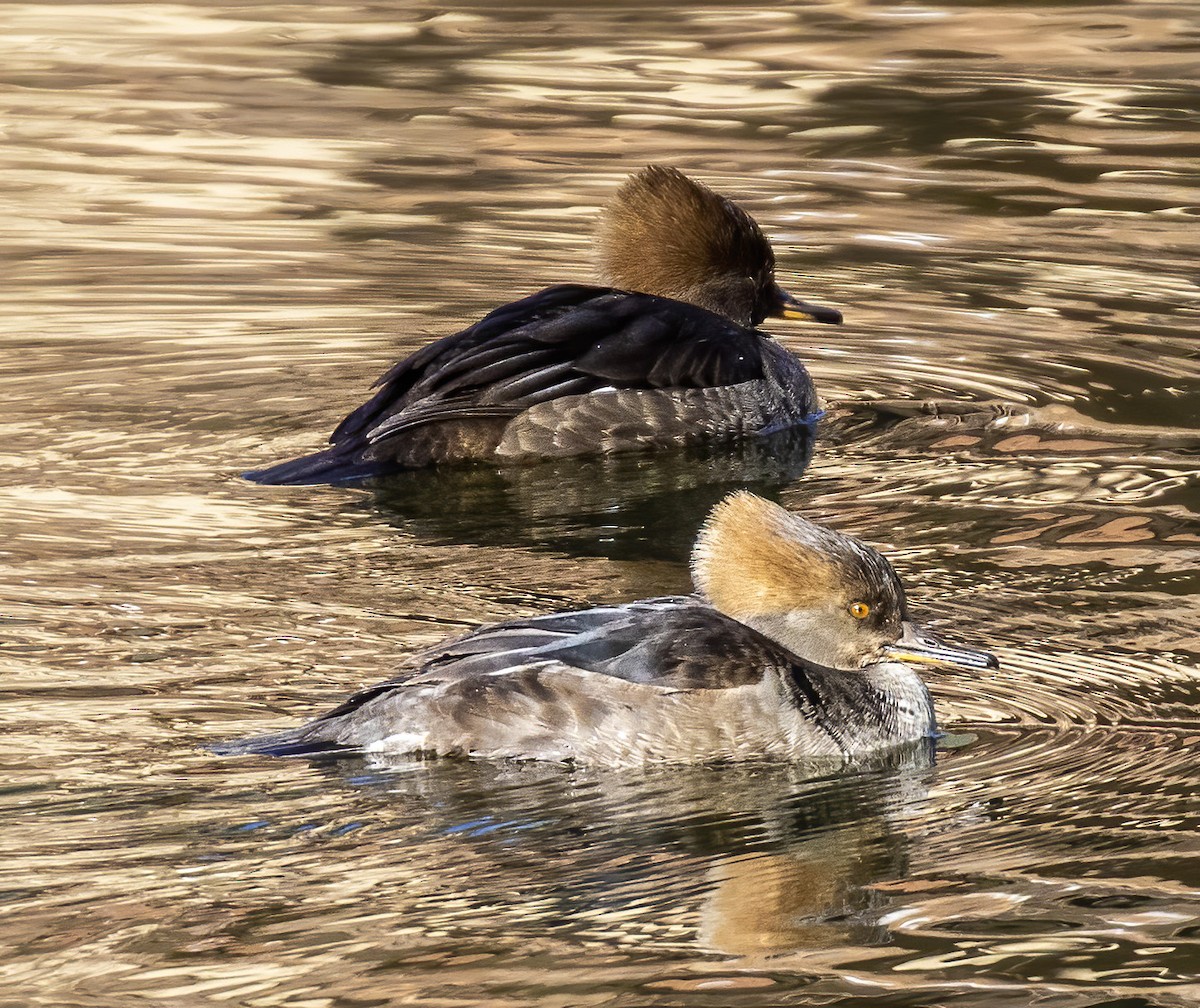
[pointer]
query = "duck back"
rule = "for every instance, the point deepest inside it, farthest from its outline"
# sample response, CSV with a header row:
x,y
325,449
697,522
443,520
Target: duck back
x,y
571,370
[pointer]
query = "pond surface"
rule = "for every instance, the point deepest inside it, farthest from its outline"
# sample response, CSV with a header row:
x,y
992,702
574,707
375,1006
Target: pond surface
x,y
224,221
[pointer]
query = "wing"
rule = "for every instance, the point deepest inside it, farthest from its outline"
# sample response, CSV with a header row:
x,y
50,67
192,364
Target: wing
x,y
672,642
566,340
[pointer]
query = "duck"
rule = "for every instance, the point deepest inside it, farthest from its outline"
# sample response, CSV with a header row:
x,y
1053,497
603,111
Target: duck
x,y
797,644
665,353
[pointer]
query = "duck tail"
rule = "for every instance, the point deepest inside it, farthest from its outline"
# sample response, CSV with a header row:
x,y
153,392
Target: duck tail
x,y
293,742
333,465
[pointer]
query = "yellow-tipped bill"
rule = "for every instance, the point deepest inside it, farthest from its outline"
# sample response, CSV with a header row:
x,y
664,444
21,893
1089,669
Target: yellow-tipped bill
x,y
789,307
915,649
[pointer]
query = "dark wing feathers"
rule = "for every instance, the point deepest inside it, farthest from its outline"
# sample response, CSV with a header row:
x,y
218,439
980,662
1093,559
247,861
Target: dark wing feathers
x,y
425,413
483,367
632,353
565,340
457,354
531,384
684,646
673,642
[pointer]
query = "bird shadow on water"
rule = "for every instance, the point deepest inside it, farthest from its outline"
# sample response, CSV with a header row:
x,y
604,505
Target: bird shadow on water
x,y
635,506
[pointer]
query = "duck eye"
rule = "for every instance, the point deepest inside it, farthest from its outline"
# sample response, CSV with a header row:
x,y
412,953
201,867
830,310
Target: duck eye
x,y
860,610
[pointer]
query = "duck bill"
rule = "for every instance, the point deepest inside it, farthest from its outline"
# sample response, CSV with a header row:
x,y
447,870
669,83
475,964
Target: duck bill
x,y
915,648
789,307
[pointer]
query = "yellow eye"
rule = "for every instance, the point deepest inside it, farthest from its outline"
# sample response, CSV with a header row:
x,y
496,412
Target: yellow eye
x,y
860,610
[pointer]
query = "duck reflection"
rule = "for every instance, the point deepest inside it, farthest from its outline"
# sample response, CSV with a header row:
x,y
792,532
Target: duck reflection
x,y
814,896
741,860
624,507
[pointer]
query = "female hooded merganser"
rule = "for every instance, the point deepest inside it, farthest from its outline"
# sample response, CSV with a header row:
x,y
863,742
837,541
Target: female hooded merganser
x,y
666,355
797,645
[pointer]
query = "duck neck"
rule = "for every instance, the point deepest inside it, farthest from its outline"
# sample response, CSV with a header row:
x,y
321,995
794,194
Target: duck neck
x,y
906,694
805,633
729,296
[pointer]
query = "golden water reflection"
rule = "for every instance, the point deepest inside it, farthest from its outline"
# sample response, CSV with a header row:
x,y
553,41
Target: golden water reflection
x,y
225,221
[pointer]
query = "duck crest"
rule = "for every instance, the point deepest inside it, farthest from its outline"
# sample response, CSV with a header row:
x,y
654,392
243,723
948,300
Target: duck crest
x,y
752,557
666,234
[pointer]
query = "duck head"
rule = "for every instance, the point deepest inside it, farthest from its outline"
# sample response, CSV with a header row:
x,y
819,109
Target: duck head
x,y
666,234
823,595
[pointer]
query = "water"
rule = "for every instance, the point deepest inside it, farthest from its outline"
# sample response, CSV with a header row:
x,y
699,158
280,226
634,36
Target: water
x,y
224,221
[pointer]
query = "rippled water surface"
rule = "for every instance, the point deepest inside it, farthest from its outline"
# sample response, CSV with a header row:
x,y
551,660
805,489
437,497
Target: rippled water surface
x,y
223,221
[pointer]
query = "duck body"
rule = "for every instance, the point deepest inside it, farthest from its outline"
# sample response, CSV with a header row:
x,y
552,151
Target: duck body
x,y
668,353
796,646
660,680
570,370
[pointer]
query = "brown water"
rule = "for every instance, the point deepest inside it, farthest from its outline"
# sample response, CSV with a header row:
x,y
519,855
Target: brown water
x,y
223,221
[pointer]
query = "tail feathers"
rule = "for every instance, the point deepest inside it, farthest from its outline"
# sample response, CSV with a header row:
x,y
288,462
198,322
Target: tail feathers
x,y
333,465
293,742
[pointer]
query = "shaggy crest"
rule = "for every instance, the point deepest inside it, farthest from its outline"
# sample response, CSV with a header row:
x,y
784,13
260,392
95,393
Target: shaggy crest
x,y
754,558
667,235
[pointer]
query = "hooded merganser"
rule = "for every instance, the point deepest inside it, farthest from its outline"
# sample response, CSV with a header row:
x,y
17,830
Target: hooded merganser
x,y
798,644
666,355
